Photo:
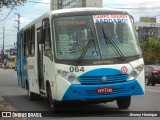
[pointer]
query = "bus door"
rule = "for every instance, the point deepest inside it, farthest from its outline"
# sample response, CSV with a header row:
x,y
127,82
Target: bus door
x,y
47,49
40,49
20,59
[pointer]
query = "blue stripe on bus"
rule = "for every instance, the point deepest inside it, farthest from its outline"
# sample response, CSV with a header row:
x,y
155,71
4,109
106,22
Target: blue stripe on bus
x,y
21,62
89,92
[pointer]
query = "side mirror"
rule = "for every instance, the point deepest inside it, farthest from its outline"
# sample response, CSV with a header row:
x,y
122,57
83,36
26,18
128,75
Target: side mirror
x,y
45,24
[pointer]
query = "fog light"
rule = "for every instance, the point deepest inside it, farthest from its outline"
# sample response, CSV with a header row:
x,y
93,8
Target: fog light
x,y
74,91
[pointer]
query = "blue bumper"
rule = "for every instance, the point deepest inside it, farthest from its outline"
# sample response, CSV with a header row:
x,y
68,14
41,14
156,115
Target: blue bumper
x,y
89,92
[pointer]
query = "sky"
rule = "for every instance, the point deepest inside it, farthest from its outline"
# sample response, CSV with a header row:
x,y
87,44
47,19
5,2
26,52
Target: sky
x,y
29,11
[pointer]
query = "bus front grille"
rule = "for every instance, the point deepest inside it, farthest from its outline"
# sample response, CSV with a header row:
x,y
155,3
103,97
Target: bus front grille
x,y
86,80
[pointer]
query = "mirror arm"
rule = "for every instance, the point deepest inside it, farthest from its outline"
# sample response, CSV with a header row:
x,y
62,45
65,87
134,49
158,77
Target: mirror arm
x,y
132,18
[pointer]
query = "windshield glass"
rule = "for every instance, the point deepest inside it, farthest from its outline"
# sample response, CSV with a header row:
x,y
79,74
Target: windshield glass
x,y
83,37
119,30
75,36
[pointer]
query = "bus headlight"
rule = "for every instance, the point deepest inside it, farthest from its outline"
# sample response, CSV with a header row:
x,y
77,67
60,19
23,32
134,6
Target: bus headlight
x,y
64,73
58,71
135,72
71,78
68,76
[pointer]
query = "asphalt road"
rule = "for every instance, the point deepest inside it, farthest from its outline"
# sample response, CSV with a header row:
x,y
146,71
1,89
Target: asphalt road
x,y
17,97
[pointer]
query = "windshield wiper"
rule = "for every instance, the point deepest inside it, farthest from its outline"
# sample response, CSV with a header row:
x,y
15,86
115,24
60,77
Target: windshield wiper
x,y
87,47
113,44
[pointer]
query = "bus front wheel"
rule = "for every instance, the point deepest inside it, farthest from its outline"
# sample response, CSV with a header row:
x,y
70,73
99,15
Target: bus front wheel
x,y
123,102
52,103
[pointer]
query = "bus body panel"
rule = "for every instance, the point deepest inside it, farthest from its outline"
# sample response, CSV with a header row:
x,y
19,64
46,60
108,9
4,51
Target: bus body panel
x,y
49,75
83,92
115,67
67,91
62,85
21,62
140,78
89,78
32,75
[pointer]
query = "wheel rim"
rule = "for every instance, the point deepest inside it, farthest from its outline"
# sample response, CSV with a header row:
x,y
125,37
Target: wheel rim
x,y
146,81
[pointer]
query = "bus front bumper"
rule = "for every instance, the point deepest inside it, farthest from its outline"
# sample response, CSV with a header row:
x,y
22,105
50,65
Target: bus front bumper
x,y
90,92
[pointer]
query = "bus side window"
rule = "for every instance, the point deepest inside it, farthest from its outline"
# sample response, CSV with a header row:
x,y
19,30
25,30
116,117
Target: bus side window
x,y
32,42
19,44
26,42
46,35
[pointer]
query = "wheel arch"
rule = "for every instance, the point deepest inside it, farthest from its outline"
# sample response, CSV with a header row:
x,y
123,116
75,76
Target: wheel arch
x,y
26,84
47,87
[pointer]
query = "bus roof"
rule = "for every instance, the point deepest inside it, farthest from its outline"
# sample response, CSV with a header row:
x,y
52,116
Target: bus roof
x,y
85,10
73,10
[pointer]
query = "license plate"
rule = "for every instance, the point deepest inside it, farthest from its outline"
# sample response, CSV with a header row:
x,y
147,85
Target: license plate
x,y
104,90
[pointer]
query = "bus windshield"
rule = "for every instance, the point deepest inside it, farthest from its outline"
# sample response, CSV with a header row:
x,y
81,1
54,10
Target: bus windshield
x,y
83,37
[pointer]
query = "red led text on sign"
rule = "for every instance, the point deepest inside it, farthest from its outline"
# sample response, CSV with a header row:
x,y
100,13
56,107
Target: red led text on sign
x,y
75,22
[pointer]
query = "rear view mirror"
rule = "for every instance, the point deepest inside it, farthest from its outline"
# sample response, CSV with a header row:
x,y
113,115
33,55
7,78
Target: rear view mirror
x,y
45,24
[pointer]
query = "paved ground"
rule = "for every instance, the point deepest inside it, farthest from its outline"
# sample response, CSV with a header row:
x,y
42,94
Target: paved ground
x,y
5,106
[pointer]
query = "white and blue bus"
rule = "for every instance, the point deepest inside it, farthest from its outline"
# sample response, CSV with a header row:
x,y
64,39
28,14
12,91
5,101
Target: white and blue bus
x,y
81,54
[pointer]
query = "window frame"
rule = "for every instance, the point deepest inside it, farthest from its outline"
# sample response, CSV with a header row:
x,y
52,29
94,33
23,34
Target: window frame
x,y
27,42
32,41
46,28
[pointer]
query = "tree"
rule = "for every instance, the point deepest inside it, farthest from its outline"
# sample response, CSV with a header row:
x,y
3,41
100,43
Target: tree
x,y
151,51
11,3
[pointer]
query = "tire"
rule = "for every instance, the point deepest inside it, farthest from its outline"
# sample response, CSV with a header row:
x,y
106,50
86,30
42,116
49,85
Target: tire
x,y
52,103
147,81
31,96
153,83
123,102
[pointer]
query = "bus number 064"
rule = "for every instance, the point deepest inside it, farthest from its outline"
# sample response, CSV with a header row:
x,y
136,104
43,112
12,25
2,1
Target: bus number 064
x,y
76,69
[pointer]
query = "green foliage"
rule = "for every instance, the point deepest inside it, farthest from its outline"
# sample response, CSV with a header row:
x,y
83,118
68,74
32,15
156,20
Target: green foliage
x,y
151,51
11,3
